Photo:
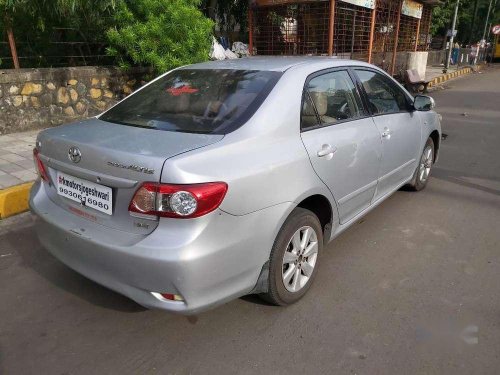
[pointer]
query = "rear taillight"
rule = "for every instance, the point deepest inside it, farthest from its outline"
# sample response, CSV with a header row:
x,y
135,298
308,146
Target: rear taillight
x,y
42,172
180,201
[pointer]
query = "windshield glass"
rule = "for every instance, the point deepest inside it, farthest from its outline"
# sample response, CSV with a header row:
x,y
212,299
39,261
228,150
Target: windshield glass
x,y
196,101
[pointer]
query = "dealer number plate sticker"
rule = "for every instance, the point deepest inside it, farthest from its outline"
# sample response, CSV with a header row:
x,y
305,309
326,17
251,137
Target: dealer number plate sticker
x,y
88,194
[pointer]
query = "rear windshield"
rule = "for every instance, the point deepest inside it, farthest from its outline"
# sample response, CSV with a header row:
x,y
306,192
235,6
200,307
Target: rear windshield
x,y
196,101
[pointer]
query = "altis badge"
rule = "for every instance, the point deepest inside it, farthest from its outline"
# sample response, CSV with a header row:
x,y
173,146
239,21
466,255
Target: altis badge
x,y
132,167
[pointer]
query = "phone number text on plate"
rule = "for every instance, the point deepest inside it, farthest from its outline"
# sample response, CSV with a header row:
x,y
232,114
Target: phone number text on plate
x,y
85,192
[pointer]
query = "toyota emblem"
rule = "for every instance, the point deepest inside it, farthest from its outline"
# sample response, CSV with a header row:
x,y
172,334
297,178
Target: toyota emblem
x,y
74,154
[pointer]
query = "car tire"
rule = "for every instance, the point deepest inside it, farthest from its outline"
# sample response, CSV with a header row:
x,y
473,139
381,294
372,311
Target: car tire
x,y
294,258
424,167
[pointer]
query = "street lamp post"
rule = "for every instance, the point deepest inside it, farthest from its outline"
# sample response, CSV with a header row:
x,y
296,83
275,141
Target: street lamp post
x,y
454,23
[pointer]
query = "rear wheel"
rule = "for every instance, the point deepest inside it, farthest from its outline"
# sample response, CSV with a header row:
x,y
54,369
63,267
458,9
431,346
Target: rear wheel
x,y
424,167
294,258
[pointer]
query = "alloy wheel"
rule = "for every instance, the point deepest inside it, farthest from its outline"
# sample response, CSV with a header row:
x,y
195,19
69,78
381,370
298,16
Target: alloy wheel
x,y
425,164
299,259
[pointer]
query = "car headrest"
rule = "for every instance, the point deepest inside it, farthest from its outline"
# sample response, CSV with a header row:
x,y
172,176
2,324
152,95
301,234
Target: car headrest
x,y
320,101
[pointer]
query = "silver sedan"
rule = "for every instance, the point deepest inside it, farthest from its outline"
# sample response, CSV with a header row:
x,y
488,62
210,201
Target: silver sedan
x,y
222,179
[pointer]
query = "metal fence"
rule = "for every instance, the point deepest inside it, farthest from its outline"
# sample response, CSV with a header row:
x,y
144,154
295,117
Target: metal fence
x,y
370,33
408,29
62,47
424,35
352,31
295,29
459,57
383,43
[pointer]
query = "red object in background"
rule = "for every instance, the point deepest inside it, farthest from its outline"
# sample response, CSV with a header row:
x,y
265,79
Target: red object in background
x,y
186,89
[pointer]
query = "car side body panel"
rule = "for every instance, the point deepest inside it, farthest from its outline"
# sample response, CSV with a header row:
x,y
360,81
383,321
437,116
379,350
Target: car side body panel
x,y
351,172
400,149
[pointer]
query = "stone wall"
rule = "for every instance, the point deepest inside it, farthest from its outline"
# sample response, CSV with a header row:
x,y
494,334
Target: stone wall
x,y
38,98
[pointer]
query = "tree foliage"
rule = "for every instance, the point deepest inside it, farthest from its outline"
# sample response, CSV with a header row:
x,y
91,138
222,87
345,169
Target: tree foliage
x,y
40,14
163,34
470,20
158,33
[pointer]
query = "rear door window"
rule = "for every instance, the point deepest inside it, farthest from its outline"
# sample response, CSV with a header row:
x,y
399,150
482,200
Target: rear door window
x,y
204,101
330,98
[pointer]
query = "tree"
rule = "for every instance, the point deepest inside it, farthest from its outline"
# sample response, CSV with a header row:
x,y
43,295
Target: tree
x,y
163,34
470,20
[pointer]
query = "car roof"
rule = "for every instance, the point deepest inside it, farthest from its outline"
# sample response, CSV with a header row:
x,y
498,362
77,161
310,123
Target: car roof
x,y
273,63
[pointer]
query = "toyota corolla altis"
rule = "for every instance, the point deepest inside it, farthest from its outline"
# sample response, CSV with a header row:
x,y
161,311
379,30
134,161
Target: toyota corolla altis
x,y
222,179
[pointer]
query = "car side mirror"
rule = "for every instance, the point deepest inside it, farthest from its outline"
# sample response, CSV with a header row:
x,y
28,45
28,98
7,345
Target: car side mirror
x,y
423,103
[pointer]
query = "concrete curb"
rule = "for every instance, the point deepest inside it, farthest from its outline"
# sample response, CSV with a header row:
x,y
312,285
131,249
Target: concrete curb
x,y
14,200
448,76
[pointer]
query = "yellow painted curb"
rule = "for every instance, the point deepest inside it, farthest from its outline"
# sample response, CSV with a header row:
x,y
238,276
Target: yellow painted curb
x,y
446,77
14,200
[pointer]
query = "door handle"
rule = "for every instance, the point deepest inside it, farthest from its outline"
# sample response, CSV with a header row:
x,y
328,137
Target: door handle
x,y
386,133
326,150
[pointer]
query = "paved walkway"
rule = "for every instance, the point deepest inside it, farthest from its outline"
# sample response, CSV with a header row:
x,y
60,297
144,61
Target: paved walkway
x,y
432,72
16,158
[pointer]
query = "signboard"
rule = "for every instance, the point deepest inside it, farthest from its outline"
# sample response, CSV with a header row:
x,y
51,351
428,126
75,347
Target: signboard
x,y
496,29
448,33
412,9
370,4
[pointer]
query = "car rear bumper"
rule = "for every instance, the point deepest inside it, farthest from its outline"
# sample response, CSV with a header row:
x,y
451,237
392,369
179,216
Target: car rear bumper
x,y
207,260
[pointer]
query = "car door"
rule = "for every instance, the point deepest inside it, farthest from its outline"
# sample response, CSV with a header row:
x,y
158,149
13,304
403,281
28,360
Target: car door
x,y
341,139
399,127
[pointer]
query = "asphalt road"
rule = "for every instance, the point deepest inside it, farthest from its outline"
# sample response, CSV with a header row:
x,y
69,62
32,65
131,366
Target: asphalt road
x,y
414,287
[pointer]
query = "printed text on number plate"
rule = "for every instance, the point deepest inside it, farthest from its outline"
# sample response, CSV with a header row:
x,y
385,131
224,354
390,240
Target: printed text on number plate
x,y
86,193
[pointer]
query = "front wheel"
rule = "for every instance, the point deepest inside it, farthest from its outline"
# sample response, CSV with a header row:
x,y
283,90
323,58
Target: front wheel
x,y
294,258
424,167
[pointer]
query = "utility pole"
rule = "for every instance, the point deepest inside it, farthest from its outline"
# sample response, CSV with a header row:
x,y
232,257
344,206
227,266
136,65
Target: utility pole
x,y
454,23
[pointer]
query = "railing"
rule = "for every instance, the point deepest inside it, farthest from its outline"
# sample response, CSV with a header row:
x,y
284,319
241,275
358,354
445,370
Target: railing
x,y
64,47
459,57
